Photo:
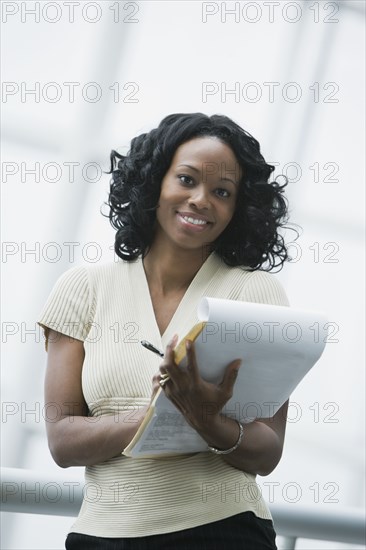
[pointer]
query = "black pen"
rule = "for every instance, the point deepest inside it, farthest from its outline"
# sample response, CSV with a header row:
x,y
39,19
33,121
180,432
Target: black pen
x,y
152,348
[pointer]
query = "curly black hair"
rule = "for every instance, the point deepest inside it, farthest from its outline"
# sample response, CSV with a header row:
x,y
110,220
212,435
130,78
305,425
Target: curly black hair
x,y
252,237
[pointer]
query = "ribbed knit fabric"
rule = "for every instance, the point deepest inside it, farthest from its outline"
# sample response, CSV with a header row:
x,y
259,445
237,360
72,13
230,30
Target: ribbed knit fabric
x,y
109,308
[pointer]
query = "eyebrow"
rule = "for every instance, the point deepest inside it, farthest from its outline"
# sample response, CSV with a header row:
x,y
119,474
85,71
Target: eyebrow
x,y
198,171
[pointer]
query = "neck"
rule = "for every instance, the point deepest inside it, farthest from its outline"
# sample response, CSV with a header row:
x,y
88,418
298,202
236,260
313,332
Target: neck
x,y
170,270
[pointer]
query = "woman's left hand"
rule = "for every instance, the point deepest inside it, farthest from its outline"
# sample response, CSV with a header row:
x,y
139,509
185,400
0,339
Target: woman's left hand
x,y
199,401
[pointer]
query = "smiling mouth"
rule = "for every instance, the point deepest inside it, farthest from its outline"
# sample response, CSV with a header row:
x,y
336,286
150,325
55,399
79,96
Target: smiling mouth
x,y
194,221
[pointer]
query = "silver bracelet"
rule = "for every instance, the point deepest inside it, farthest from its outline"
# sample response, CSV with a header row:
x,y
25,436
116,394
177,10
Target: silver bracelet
x,y
227,451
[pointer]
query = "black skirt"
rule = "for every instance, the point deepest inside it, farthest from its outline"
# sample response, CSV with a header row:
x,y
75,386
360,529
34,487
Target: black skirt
x,y
243,531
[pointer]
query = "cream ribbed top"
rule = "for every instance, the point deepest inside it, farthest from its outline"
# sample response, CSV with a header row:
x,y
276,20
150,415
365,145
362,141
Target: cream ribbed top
x,y
109,308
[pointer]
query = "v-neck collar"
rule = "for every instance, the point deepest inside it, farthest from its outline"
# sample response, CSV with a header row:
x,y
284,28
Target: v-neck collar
x,y
186,306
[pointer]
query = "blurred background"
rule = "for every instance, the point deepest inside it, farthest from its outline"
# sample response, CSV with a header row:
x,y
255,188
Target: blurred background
x,y
82,78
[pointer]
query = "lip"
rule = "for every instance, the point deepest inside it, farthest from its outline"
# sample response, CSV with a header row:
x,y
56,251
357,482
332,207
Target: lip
x,y
194,216
191,226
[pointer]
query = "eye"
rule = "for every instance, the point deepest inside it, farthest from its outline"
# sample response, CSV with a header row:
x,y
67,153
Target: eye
x,y
223,193
186,180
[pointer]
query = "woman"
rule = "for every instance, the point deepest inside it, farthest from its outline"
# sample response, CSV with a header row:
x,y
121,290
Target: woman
x,y
195,215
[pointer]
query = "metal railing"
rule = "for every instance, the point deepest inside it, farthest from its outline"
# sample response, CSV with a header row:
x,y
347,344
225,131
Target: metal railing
x,y
34,492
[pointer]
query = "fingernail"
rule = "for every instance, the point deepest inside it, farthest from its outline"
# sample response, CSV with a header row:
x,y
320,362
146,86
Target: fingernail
x,y
188,345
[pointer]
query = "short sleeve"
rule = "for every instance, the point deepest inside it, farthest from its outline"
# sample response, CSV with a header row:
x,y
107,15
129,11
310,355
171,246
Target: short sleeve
x,y
264,288
68,307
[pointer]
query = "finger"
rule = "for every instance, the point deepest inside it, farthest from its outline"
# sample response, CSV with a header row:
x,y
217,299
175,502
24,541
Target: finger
x,y
169,354
169,366
164,381
169,392
157,377
191,360
173,341
162,368
170,348
231,373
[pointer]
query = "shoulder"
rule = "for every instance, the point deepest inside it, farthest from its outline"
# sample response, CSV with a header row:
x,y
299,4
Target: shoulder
x,y
102,273
82,283
241,283
263,287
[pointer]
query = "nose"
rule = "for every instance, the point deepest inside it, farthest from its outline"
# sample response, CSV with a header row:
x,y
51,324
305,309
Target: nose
x,y
199,197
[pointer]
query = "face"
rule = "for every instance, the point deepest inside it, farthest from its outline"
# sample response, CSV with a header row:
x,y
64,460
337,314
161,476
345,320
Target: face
x,y
198,194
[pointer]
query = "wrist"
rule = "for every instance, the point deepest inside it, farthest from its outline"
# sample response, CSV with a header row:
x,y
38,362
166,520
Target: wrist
x,y
207,425
220,431
230,449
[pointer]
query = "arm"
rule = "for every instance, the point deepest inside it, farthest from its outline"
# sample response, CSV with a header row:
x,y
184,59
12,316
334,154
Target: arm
x,y
261,447
74,438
